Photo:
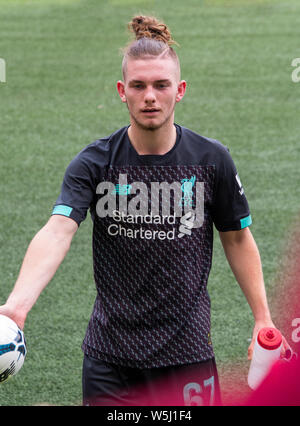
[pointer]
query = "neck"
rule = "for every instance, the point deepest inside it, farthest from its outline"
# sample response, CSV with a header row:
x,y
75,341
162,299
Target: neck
x,y
152,142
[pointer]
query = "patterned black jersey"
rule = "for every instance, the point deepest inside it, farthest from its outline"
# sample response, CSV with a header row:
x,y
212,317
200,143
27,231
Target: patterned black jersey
x,y
153,219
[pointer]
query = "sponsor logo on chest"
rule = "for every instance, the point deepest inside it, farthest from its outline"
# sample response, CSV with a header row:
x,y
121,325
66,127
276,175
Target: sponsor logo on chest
x,y
158,203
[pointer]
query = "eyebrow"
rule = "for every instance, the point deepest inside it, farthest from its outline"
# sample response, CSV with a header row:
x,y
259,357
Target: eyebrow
x,y
156,81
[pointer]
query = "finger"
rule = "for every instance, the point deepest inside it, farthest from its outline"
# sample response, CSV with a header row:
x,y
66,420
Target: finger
x,y
286,350
250,351
288,354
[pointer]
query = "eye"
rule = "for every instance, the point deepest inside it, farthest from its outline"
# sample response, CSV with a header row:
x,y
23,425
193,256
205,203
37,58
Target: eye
x,y
138,86
162,85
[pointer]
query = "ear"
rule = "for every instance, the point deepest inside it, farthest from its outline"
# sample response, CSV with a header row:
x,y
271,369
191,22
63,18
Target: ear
x,y
121,90
180,90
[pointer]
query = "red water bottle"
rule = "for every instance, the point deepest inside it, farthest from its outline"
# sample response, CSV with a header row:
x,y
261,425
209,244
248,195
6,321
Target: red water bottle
x,y
266,352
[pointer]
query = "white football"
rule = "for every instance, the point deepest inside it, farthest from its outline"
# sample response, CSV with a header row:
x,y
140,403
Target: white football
x,y
12,348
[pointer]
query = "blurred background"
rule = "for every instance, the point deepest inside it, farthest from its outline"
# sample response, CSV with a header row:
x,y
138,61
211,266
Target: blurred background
x,y
62,61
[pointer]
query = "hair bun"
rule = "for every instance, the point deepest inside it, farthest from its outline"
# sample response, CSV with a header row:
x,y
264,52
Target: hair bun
x,y
150,27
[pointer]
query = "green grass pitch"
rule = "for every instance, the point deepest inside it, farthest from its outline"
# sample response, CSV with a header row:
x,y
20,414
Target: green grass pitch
x,y
62,62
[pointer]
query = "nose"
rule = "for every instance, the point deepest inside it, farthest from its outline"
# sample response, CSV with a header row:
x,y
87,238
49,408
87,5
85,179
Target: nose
x,y
149,97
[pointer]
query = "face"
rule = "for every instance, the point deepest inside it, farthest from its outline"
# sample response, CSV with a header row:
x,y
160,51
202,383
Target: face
x,y
151,90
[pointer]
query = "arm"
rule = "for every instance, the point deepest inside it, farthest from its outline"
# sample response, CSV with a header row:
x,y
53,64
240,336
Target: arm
x,y
43,257
244,259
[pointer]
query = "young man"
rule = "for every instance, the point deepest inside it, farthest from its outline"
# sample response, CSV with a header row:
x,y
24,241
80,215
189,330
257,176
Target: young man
x,y
154,190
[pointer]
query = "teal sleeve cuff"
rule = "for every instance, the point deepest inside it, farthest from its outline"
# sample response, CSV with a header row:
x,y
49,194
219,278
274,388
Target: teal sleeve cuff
x,y
246,221
62,210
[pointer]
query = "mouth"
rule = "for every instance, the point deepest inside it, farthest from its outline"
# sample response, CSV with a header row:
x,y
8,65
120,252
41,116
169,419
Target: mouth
x,y
150,111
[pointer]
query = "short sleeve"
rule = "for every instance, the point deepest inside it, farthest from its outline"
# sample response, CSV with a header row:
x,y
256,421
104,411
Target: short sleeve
x,y
77,191
230,210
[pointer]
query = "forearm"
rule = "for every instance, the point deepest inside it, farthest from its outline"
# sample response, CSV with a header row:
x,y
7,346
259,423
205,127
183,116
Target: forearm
x,y
43,257
244,259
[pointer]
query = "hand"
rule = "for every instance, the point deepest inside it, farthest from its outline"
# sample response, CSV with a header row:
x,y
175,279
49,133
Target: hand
x,y
17,317
261,324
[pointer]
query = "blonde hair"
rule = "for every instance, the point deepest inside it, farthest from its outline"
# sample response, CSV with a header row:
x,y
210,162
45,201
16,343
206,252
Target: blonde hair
x,y
152,38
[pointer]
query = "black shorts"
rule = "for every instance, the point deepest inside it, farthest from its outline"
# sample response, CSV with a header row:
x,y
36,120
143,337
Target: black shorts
x,y
106,384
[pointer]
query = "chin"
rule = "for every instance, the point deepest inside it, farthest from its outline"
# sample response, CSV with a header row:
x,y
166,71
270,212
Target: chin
x,y
150,125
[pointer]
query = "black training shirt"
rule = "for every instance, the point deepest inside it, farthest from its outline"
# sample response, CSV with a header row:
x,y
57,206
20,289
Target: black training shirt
x,y
153,218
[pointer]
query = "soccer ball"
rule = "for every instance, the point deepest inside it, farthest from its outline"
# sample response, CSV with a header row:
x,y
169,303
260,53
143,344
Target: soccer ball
x,y
12,348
